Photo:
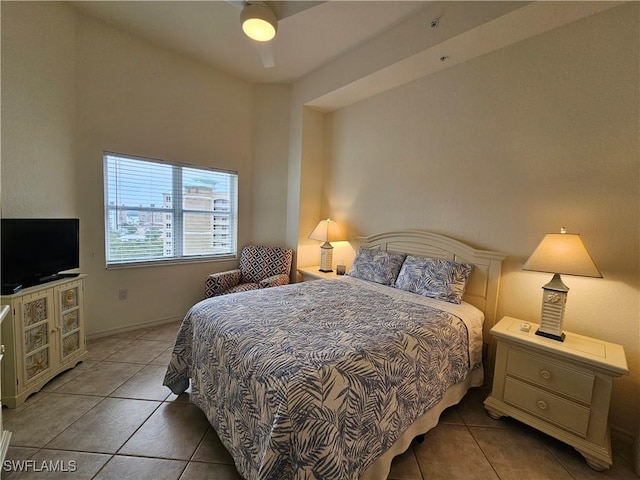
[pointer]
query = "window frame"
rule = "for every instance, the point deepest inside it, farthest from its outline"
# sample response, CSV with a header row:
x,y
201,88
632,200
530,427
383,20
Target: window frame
x,y
177,211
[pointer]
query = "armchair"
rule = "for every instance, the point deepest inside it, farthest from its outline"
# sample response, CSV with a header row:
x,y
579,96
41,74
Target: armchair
x,y
260,267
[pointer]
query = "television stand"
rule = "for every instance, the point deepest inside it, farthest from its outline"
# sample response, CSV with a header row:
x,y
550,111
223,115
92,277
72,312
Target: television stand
x,y
44,335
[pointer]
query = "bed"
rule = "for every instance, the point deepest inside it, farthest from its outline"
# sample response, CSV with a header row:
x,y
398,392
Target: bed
x,y
333,378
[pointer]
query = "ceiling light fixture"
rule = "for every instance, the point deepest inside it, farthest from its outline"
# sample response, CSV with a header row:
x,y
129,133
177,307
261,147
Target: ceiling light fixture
x,y
258,21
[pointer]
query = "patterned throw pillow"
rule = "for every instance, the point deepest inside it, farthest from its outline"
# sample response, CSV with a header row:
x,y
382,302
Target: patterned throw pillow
x,y
434,277
376,266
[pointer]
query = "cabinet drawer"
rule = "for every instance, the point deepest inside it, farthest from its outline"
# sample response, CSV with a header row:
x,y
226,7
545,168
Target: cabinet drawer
x,y
556,377
554,409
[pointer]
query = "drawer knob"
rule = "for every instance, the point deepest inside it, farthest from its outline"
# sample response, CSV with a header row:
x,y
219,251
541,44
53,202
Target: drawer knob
x,y
542,405
545,374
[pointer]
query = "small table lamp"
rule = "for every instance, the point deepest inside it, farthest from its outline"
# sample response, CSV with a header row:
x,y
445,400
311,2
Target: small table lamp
x,y
326,231
559,253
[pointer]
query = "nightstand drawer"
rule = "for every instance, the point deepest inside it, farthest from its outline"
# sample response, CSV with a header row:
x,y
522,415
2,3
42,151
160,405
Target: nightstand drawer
x,y
565,414
556,377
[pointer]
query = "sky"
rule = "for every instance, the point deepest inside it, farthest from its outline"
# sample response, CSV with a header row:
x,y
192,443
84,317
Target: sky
x,y
145,184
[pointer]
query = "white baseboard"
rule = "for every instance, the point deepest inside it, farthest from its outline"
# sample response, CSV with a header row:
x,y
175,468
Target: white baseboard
x,y
636,455
633,441
621,434
137,326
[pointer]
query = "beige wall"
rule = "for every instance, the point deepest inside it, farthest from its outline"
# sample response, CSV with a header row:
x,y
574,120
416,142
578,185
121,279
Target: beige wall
x,y
311,185
135,98
72,88
502,149
38,110
269,153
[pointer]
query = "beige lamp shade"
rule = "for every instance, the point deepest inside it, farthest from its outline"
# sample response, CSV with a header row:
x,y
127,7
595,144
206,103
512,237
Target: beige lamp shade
x,y
327,231
562,253
559,253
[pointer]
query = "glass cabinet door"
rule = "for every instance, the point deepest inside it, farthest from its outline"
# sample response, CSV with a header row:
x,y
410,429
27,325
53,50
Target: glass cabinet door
x,y
36,320
70,312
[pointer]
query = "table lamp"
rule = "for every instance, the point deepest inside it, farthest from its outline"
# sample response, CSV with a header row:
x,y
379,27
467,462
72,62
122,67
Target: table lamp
x,y
327,231
559,253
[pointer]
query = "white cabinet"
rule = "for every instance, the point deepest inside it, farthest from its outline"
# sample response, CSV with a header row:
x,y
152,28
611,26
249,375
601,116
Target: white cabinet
x,y
560,388
44,334
5,435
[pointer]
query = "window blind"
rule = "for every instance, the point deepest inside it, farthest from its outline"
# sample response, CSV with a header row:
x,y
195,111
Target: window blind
x,y
159,211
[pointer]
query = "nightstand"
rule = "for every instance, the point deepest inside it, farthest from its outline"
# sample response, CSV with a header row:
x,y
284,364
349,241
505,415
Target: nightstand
x,y
314,273
560,388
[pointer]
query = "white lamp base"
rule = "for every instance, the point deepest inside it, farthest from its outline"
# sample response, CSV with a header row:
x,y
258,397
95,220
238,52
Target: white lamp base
x,y
554,301
326,257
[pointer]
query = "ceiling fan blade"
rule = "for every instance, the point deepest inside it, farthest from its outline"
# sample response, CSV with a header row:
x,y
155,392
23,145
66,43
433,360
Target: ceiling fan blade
x,y
284,9
239,4
266,54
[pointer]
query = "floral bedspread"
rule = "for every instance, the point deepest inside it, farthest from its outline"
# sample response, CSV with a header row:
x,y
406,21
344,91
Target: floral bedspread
x,y
315,380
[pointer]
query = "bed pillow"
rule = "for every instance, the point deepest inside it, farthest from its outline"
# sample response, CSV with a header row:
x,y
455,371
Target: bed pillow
x,y
376,266
434,277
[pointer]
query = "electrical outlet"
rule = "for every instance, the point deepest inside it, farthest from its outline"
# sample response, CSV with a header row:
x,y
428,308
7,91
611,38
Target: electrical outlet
x,y
123,294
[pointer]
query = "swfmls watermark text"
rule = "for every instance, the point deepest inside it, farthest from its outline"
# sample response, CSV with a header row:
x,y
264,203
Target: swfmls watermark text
x,y
61,466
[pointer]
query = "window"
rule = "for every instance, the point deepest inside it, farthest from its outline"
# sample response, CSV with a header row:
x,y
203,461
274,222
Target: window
x,y
159,211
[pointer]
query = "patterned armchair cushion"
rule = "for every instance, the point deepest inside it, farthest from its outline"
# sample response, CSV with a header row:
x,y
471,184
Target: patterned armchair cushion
x,y
274,281
258,263
218,283
434,277
260,267
376,266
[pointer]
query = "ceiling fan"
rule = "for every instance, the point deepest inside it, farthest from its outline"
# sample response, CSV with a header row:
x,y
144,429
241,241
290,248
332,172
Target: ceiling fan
x,y
259,22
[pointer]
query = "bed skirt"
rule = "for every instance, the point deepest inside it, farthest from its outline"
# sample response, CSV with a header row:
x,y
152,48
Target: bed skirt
x,y
379,470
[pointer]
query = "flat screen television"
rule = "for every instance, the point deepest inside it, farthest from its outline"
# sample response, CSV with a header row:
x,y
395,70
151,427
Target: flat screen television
x,y
37,250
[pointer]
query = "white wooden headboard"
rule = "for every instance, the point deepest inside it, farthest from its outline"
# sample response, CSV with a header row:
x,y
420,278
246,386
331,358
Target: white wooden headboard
x,y
482,286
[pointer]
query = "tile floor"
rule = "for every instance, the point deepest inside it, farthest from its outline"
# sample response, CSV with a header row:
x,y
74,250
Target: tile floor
x,y
111,418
